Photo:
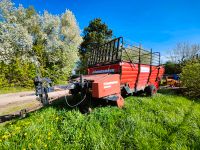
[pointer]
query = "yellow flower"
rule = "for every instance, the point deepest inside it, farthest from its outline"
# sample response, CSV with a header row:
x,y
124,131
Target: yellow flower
x,y
57,118
45,145
25,134
23,149
49,138
5,136
17,128
49,133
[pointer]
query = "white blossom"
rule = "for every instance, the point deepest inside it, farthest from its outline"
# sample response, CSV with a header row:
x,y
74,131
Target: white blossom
x,y
61,36
14,38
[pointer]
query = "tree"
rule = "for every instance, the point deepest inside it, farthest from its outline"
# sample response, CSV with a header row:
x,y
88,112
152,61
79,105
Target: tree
x,y
184,51
29,40
62,38
14,41
95,34
15,45
7,11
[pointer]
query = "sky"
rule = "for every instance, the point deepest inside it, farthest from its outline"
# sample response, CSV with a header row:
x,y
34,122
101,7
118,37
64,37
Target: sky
x,y
156,24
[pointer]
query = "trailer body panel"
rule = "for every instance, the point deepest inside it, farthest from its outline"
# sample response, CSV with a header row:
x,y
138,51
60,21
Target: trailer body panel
x,y
136,76
108,85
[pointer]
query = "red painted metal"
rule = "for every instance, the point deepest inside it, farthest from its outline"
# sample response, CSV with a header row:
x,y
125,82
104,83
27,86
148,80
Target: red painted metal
x,y
104,84
120,101
129,74
111,74
112,68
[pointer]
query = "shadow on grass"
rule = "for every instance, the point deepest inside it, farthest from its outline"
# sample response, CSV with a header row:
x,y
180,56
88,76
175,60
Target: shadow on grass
x,y
61,103
58,104
168,92
177,92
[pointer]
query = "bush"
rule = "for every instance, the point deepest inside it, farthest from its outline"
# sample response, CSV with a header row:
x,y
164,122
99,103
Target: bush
x,y
190,78
3,81
172,68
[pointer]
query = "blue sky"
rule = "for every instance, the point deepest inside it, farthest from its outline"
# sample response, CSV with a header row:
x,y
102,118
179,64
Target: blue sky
x,y
157,24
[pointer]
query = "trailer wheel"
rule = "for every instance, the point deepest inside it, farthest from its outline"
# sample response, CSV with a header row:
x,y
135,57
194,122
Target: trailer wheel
x,y
150,90
84,109
85,106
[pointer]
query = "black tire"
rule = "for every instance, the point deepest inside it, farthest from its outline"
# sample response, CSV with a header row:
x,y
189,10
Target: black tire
x,y
85,106
44,98
150,90
85,109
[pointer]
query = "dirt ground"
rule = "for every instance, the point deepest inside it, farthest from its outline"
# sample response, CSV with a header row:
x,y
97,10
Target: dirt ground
x,y
10,103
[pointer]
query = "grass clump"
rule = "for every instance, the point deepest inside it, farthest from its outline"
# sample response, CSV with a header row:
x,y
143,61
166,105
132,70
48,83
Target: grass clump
x,y
162,122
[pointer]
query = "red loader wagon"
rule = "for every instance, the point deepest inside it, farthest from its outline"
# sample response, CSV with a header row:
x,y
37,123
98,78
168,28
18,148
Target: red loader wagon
x,y
115,70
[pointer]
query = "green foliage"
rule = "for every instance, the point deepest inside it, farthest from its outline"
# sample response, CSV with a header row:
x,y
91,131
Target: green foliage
x,y
172,68
17,73
95,34
15,89
161,122
30,41
4,70
190,78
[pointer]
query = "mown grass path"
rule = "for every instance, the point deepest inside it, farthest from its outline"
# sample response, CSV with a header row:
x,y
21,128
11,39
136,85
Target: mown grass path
x,y
162,122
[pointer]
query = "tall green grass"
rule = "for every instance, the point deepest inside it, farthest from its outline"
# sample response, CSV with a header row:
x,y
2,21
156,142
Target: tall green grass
x,y
162,122
7,90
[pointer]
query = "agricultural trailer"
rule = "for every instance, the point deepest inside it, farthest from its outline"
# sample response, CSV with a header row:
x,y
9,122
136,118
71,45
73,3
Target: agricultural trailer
x,y
114,70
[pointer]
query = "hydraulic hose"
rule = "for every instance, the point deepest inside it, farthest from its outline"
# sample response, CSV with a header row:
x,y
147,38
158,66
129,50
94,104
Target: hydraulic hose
x,y
75,104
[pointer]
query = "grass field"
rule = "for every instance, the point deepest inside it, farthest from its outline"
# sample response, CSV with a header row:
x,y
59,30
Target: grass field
x,y
163,122
7,90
